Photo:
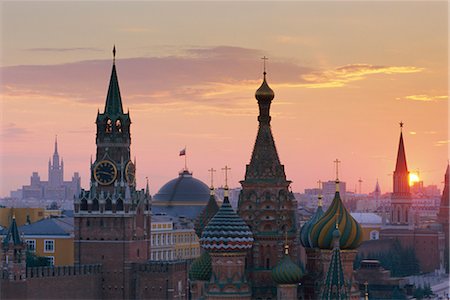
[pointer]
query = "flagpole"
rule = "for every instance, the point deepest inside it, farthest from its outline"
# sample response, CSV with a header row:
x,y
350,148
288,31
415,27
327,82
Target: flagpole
x,y
185,158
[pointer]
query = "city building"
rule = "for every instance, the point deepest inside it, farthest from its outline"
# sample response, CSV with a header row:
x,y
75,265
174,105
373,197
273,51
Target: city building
x,y
173,238
23,215
51,238
370,223
55,189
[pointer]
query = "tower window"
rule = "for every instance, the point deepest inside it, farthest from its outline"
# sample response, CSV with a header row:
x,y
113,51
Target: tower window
x,y
118,126
267,263
108,128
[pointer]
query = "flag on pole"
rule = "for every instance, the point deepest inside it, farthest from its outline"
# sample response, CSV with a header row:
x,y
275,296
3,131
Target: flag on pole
x,y
183,152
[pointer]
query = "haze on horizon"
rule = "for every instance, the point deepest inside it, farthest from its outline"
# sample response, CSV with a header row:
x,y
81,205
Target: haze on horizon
x,y
344,75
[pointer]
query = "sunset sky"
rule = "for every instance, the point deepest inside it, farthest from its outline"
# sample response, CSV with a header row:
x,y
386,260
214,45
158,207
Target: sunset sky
x,y
344,75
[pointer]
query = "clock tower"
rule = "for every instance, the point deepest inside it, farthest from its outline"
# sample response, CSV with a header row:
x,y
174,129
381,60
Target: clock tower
x,y
112,218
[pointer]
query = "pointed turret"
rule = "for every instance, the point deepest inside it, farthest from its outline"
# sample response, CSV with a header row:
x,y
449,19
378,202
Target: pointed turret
x,y
113,104
265,163
12,236
401,156
401,196
334,285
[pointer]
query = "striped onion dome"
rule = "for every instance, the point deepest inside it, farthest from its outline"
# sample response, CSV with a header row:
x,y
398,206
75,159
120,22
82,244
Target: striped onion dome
x,y
201,268
286,271
306,228
226,231
321,235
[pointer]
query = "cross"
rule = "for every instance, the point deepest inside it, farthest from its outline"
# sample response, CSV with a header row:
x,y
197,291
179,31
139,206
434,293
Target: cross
x,y
114,53
264,63
337,162
212,175
226,175
360,181
401,125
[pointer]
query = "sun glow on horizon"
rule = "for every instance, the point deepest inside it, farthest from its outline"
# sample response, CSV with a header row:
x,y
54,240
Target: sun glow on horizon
x,y
413,178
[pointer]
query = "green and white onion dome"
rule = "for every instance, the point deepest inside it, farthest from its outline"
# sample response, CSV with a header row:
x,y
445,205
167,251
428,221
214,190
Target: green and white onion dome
x,y
321,235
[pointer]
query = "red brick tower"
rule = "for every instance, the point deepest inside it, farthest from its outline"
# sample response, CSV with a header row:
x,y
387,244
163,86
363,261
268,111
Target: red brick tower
x,y
443,217
112,219
401,196
266,204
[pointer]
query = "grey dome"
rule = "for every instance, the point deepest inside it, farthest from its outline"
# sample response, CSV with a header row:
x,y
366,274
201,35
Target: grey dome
x,y
181,196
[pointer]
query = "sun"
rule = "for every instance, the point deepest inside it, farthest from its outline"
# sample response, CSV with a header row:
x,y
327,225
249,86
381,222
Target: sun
x,y
413,177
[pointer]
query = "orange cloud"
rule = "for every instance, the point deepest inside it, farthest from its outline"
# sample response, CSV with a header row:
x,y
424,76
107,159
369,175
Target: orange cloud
x,y
426,98
341,76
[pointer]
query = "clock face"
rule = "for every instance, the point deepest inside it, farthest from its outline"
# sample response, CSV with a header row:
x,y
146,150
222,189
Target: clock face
x,y
105,172
130,172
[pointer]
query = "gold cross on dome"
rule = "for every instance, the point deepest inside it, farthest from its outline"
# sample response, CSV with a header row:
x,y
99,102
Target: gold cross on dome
x,y
226,175
264,63
337,162
212,176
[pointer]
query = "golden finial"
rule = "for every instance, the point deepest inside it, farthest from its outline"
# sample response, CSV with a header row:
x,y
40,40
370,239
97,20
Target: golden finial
x,y
320,203
337,162
226,180
264,65
212,180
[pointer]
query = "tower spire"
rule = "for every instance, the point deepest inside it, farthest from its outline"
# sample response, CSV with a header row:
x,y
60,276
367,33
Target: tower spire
x,y
401,156
56,145
113,104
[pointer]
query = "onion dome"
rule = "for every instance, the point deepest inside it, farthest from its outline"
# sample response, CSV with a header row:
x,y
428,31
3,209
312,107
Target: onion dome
x,y
226,232
286,271
306,228
206,214
264,93
321,235
201,268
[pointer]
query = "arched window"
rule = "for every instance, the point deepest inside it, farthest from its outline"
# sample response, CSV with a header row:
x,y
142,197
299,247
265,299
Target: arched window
x,y
118,125
406,215
398,215
119,205
108,127
95,206
84,205
108,204
267,263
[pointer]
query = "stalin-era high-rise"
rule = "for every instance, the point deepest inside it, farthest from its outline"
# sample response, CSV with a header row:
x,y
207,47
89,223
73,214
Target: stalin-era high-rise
x,y
112,219
267,205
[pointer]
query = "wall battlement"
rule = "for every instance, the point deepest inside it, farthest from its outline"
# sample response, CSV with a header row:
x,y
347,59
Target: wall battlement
x,y
63,271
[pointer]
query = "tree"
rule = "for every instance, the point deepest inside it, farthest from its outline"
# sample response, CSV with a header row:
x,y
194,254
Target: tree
x,y
36,261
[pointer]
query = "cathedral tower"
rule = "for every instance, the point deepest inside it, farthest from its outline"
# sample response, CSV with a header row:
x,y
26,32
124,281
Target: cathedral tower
x,y
443,217
266,203
401,196
112,219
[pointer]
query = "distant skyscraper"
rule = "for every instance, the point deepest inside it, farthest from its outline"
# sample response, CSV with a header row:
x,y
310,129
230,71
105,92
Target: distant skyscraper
x,y
55,188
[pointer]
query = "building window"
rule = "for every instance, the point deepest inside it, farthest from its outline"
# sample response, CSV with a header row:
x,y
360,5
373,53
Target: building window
x,y
51,259
374,235
31,245
49,246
